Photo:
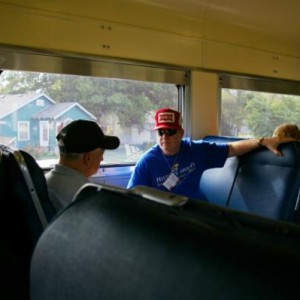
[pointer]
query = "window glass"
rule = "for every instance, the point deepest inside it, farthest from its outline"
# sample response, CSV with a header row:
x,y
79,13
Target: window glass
x,y
247,113
35,106
23,131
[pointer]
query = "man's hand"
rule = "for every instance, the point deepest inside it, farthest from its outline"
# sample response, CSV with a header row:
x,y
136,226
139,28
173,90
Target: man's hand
x,y
272,143
245,146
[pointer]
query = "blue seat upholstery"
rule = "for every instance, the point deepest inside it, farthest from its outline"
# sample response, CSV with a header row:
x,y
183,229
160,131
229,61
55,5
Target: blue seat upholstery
x,y
258,182
221,139
268,185
216,184
113,245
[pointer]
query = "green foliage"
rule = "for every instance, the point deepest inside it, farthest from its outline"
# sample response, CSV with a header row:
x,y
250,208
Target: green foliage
x,y
266,111
130,101
233,105
260,113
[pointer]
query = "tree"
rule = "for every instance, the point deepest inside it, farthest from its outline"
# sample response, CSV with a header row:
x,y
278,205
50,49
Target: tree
x,y
266,111
258,112
129,100
233,111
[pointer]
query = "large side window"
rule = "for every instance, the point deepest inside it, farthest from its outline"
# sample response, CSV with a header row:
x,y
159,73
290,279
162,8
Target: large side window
x,y
255,107
49,101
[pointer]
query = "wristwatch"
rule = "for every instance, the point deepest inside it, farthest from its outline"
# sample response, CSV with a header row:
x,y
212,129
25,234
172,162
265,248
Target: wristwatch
x,y
260,142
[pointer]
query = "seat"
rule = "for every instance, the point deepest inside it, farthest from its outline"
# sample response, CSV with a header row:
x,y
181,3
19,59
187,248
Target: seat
x,y
216,184
26,211
269,185
114,244
258,182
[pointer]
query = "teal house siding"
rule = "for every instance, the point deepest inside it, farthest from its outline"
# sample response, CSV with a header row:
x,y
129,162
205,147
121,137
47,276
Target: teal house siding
x,y
25,115
31,121
20,108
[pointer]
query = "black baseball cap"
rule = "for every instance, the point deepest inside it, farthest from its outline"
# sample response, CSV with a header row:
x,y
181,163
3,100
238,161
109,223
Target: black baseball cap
x,y
82,136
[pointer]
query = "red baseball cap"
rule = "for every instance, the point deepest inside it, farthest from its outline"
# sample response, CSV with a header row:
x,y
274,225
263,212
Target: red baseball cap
x,y
168,118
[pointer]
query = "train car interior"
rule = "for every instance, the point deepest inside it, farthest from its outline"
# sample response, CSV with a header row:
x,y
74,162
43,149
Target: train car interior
x,y
232,68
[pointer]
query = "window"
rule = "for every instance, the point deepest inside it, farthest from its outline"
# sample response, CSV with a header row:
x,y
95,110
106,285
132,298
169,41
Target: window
x,y
23,131
40,102
254,108
50,101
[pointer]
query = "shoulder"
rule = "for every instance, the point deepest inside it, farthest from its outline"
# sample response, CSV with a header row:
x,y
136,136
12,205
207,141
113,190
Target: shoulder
x,y
154,151
149,157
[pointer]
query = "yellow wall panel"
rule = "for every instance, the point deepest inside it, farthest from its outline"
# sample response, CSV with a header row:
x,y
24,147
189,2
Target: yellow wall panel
x,y
204,104
129,12
238,59
48,26
84,36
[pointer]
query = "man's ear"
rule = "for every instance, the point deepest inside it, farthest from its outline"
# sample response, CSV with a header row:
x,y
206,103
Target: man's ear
x,y
86,158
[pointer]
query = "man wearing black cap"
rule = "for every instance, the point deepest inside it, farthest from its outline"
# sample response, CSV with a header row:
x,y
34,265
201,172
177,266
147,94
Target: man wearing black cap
x,y
81,147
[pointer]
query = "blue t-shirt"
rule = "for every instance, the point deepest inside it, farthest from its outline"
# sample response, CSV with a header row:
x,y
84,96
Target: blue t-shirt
x,y
194,157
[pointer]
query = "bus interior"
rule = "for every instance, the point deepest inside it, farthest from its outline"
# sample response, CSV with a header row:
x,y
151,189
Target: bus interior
x,y
232,68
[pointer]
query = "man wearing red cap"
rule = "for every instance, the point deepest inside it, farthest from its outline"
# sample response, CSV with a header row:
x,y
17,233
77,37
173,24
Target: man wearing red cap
x,y
176,164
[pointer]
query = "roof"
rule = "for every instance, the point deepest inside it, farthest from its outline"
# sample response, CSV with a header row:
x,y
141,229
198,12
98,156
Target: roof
x,y
12,103
56,110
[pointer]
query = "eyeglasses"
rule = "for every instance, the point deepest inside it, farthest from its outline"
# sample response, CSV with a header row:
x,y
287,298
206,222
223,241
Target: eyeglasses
x,y
168,132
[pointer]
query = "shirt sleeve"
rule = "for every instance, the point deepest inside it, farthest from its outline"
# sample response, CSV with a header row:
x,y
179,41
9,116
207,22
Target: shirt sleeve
x,y
217,155
140,175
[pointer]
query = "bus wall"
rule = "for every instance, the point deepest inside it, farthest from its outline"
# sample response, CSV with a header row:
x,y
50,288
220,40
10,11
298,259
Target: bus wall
x,y
214,41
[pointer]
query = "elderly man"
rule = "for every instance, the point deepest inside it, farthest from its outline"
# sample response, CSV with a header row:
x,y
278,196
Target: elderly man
x,y
81,147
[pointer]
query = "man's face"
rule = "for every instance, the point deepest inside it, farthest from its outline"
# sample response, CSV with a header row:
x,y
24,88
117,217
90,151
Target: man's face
x,y
169,140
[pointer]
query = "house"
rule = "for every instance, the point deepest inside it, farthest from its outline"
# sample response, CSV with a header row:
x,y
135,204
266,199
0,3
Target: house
x,y
31,121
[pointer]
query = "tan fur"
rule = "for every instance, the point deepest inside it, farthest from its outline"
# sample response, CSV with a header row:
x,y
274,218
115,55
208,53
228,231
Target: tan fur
x,y
287,130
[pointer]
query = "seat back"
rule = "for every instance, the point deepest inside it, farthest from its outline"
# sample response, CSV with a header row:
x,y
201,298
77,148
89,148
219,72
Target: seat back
x,y
216,184
221,139
258,182
120,245
26,210
268,185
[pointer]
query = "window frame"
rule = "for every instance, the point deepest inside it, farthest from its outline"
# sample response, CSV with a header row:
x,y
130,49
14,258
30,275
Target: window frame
x,y
14,59
254,84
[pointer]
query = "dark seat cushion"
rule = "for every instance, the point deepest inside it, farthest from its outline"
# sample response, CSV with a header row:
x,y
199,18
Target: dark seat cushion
x,y
112,245
20,224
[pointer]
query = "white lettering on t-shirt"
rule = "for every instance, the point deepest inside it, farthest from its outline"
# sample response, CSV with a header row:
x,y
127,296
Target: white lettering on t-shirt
x,y
181,173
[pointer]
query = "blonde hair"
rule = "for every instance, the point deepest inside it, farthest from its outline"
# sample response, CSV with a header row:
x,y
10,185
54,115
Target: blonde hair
x,y
287,130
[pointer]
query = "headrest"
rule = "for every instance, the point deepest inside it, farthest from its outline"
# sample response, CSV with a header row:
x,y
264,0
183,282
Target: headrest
x,y
220,139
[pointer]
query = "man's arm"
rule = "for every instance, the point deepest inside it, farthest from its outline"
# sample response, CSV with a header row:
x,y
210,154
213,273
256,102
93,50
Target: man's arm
x,y
244,146
139,176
